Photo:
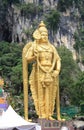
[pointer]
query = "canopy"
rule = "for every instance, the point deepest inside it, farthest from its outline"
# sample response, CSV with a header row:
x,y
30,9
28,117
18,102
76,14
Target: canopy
x,y
78,124
10,119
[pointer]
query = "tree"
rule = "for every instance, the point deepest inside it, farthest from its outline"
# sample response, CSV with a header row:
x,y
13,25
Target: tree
x,y
52,20
69,72
79,45
11,64
30,10
11,72
64,4
78,90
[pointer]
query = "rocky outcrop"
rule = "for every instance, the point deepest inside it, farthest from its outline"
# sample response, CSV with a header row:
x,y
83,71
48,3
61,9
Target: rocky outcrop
x,y
4,22
19,25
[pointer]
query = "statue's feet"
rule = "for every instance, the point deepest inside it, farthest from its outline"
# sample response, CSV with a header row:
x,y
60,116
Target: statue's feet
x,y
51,118
43,116
26,118
59,119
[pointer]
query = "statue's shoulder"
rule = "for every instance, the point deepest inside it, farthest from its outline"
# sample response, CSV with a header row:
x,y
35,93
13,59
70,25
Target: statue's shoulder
x,y
27,46
52,46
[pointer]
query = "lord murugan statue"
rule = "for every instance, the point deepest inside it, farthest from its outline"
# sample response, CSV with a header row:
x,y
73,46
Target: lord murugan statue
x,y
44,77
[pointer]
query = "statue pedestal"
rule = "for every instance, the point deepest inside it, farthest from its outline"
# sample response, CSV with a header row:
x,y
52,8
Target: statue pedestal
x,y
54,125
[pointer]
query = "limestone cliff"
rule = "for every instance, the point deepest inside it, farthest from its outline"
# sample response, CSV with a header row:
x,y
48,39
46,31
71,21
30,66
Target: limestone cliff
x,y
20,26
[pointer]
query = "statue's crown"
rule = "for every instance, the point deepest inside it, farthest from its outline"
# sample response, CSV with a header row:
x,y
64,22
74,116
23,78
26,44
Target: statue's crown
x,y
42,27
42,24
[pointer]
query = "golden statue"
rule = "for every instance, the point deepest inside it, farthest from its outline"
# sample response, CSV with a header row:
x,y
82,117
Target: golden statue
x,y
44,78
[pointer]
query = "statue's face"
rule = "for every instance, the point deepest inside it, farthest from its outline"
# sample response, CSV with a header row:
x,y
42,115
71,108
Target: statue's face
x,y
44,37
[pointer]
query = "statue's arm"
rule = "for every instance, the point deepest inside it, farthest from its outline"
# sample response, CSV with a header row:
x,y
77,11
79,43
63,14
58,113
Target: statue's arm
x,y
57,68
30,55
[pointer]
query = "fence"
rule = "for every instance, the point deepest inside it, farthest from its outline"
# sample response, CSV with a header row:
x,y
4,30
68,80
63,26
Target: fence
x,y
70,111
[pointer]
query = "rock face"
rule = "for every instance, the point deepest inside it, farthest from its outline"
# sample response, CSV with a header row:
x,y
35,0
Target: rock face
x,y
66,29
64,35
4,25
19,26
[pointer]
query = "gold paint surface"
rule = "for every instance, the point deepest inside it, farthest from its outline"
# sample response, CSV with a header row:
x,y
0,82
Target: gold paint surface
x,y
44,77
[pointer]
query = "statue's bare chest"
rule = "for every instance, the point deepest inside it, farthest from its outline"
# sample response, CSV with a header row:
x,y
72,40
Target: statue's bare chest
x,y
45,53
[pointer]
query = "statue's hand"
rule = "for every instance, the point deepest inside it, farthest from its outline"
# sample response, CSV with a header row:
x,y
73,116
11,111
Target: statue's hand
x,y
55,73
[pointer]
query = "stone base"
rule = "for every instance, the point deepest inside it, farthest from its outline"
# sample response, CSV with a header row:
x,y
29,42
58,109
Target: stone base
x,y
54,125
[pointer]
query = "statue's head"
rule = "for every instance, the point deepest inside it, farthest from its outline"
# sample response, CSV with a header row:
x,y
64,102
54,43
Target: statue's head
x,y
41,33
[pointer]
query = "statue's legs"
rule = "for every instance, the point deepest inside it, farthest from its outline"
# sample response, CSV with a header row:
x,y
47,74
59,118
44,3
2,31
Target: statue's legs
x,y
52,97
47,100
41,98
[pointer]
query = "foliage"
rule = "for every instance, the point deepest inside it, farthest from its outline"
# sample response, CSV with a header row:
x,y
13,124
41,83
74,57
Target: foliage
x,y
69,72
32,112
11,71
11,64
79,45
79,4
30,9
16,78
52,20
64,4
9,2
78,90
16,102
29,32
